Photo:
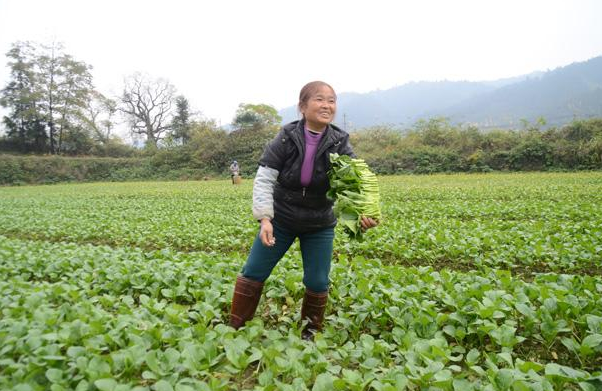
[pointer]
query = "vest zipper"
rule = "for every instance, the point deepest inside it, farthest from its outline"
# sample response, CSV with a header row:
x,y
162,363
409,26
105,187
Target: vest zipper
x,y
304,192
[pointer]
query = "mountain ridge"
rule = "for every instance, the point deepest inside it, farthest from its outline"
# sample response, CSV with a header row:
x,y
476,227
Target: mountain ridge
x,y
559,96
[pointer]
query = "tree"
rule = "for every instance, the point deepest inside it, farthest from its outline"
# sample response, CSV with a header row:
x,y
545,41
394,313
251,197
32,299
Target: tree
x,y
147,104
594,149
207,146
99,117
255,126
24,123
48,73
533,127
46,95
73,95
65,86
434,132
374,141
180,124
250,116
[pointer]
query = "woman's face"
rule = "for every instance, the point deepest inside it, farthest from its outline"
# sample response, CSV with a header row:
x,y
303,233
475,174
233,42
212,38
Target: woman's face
x,y
320,109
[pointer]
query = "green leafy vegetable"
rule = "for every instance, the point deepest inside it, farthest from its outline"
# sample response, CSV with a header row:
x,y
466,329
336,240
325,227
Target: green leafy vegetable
x,y
354,188
476,282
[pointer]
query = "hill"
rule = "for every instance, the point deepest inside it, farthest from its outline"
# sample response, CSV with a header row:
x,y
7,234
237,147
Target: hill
x,y
559,96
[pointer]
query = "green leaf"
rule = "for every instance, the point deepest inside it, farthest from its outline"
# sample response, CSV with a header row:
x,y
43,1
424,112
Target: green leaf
x,y
172,356
594,323
105,384
463,385
589,386
563,372
507,357
571,344
162,385
148,375
76,351
235,352
54,375
526,310
529,366
98,367
184,387
472,357
353,377
504,379
443,378
479,370
83,385
371,362
504,336
265,378
590,343
324,382
153,362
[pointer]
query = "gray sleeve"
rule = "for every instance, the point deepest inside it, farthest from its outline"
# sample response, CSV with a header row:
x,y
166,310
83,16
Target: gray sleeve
x,y
263,192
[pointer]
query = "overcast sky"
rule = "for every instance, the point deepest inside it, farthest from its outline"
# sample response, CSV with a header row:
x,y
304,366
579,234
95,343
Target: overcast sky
x,y
220,53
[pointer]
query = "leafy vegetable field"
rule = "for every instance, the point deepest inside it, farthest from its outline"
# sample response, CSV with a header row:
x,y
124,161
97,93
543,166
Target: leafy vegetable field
x,y
471,282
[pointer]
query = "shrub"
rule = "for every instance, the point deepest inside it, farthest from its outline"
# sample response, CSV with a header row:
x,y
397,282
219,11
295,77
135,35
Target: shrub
x,y
53,169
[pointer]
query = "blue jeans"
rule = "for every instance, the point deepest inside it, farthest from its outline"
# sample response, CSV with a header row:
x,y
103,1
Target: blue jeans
x,y
316,251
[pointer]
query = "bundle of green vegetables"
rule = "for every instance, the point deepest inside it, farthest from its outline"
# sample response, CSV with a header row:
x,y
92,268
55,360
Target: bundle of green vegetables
x,y
354,189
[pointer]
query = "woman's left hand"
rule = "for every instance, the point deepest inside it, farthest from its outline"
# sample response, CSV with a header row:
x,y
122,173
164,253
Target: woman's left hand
x,y
368,222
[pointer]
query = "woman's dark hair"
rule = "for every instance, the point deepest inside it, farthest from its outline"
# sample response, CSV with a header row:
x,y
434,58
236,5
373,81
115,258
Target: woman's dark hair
x,y
309,90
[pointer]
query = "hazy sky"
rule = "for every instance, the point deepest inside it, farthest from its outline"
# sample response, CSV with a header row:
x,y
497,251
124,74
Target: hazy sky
x,y
220,53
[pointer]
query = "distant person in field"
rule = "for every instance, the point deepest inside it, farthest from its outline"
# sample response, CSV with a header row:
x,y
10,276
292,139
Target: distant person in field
x,y
289,202
234,169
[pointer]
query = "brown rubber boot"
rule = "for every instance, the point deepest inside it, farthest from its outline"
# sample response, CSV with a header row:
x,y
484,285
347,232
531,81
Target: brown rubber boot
x,y
244,301
314,305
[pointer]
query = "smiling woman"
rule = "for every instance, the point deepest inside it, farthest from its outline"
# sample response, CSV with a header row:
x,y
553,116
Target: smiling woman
x,y
289,201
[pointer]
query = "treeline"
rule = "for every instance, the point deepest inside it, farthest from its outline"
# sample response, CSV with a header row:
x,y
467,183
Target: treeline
x,y
436,145
206,153
430,146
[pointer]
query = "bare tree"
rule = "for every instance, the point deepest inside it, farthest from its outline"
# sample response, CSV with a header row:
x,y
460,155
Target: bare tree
x,y
147,104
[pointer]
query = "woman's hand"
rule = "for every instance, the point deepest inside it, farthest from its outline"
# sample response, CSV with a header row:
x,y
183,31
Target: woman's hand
x,y
266,234
368,222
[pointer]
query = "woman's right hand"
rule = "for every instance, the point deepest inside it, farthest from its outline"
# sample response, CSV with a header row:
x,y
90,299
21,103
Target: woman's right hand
x,y
266,234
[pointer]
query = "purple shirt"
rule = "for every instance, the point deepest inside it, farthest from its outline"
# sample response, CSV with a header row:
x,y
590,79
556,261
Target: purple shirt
x,y
311,145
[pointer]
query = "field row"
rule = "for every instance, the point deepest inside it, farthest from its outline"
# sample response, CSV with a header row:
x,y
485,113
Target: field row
x,y
527,223
75,315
